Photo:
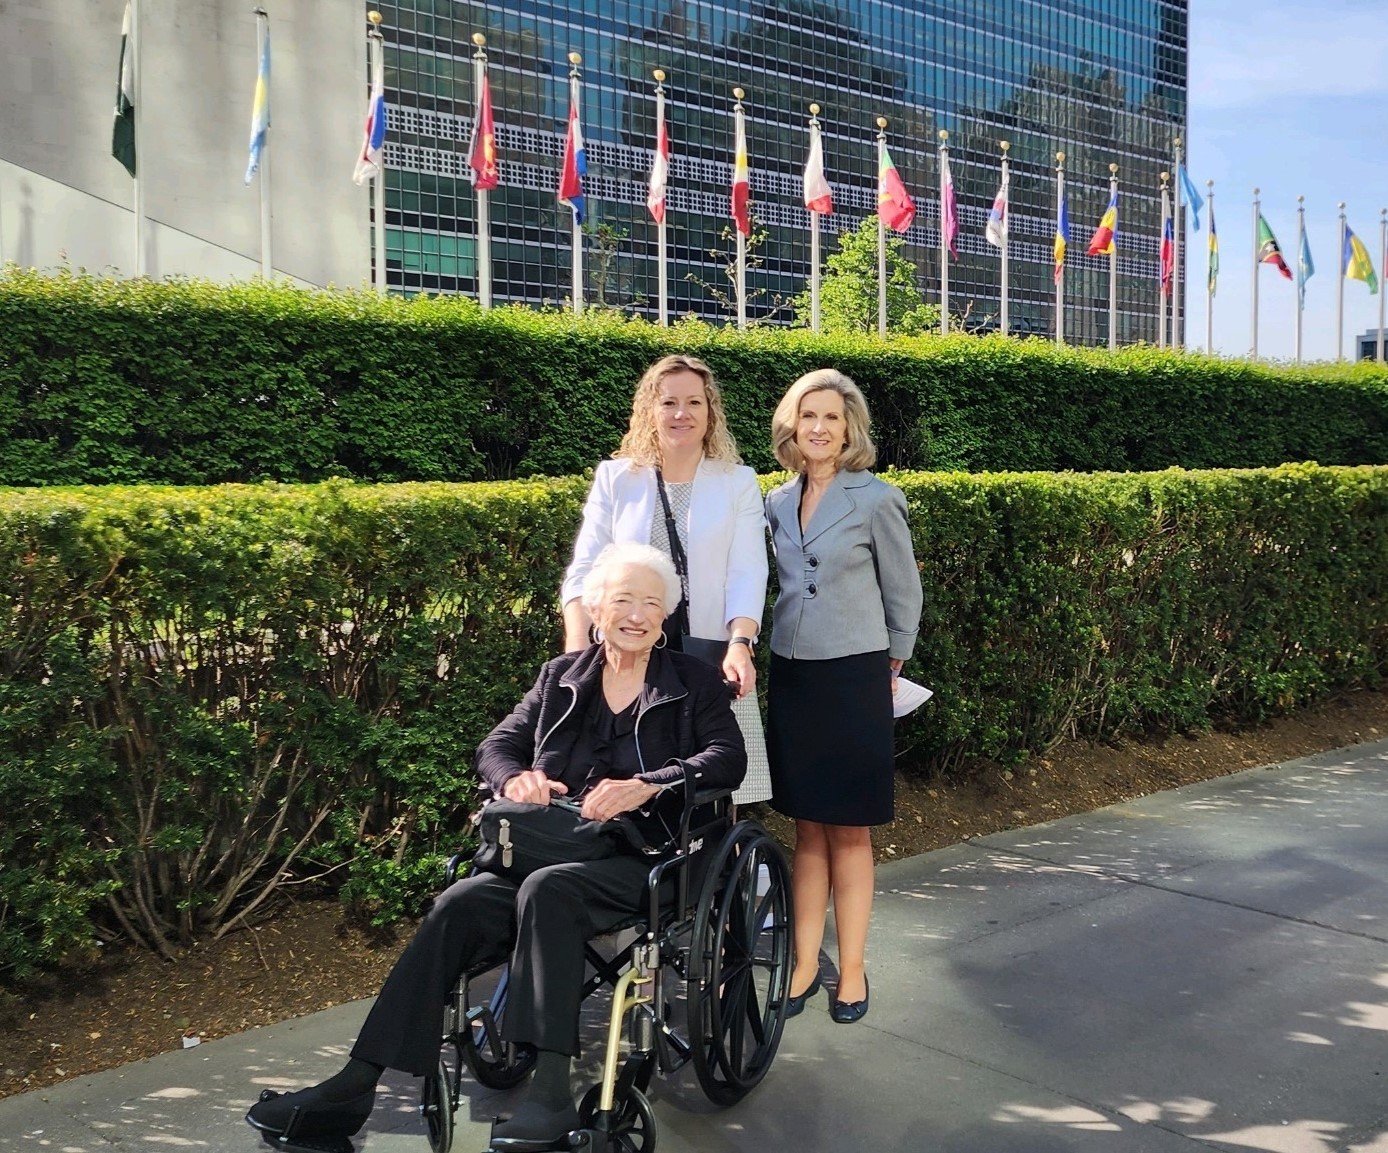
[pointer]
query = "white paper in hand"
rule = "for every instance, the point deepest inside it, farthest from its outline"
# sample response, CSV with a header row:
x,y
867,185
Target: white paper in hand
x,y
908,697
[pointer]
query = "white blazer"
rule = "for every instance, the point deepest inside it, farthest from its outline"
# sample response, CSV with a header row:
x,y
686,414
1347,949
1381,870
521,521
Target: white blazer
x,y
726,537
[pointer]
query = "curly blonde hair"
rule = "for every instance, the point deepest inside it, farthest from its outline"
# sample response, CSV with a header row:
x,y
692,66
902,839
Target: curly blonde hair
x,y
641,444
858,451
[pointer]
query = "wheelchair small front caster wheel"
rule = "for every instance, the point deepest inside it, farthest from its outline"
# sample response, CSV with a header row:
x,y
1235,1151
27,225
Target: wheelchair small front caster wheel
x,y
629,1128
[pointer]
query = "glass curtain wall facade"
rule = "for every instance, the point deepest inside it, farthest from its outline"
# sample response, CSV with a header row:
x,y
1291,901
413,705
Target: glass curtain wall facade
x,y
1102,80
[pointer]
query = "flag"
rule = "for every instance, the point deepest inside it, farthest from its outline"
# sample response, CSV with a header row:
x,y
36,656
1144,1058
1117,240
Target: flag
x,y
481,152
1212,275
575,159
1168,256
742,188
949,213
260,108
1102,242
1356,263
894,203
819,197
1305,267
374,137
1268,250
660,163
1194,201
995,231
1062,237
123,131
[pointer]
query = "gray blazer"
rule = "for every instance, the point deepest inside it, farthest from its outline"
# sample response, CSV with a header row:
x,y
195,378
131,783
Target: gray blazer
x,y
851,584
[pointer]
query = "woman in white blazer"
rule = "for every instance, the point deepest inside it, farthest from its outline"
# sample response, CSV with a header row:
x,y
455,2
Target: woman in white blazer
x,y
845,621
678,440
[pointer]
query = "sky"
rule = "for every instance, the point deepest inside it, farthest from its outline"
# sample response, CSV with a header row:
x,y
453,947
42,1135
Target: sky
x,y
1291,98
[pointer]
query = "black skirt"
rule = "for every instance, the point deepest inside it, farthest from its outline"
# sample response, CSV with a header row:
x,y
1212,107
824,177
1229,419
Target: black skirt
x,y
829,737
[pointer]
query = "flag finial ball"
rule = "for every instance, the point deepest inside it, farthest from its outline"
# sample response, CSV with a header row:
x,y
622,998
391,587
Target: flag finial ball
x,y
1004,145
1301,200
1060,157
738,94
944,135
575,59
659,75
814,109
375,17
1342,206
1256,191
882,123
479,39
1165,176
1113,169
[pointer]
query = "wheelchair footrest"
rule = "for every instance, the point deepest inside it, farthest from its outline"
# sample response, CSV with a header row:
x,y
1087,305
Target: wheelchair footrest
x,y
308,1144
577,1139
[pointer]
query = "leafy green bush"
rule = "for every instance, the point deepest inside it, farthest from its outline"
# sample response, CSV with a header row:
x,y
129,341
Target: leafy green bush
x,y
207,693
105,381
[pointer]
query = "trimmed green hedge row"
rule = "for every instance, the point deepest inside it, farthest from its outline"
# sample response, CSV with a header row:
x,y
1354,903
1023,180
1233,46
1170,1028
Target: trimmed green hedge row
x,y
207,692
106,381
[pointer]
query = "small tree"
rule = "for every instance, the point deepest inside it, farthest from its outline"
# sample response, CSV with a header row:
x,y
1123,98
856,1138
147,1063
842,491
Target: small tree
x,y
848,290
726,260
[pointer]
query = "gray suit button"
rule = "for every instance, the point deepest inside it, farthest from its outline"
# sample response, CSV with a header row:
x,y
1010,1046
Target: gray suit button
x,y
811,588
812,561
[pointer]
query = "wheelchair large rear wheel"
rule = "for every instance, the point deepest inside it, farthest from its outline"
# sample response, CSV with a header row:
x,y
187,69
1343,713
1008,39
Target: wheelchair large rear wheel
x,y
739,964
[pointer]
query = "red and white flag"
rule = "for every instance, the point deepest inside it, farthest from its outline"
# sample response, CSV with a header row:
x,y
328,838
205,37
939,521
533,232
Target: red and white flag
x,y
819,197
482,165
660,163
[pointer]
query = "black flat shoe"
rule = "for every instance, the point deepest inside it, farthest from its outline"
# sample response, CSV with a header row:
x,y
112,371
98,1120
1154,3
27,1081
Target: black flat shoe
x,y
305,1114
796,1005
846,1012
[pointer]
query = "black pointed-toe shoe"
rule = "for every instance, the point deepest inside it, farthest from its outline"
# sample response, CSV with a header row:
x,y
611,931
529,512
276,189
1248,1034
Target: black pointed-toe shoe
x,y
796,1005
846,1012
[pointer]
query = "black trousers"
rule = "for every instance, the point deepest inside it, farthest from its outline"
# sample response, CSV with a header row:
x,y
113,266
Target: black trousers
x,y
542,924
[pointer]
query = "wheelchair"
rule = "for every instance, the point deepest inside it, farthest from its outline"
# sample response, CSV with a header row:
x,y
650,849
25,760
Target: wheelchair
x,y
725,938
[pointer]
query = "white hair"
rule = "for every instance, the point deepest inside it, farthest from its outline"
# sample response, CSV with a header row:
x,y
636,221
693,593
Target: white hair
x,y
627,553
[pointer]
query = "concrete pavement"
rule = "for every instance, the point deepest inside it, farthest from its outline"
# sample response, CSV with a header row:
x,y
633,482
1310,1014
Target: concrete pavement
x,y
1204,968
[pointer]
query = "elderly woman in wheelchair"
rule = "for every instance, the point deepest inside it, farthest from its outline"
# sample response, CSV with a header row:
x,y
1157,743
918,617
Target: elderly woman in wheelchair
x,y
642,742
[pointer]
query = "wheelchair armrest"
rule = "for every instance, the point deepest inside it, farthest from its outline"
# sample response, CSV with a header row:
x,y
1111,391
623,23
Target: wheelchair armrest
x,y
450,872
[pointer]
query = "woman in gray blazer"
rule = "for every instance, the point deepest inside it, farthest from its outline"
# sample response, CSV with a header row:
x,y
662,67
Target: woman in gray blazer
x,y
844,623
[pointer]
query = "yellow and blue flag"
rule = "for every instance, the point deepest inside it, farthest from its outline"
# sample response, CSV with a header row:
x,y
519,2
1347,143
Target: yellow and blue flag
x,y
1062,236
1212,273
260,109
1355,263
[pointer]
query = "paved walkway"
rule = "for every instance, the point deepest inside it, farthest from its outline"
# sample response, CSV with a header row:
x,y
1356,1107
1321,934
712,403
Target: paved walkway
x,y
1205,968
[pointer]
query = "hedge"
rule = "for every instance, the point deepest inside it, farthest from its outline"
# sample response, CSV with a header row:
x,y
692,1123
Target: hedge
x,y
207,693
105,381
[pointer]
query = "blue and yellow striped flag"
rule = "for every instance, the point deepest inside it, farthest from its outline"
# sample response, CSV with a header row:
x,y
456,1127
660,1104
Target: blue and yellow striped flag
x,y
260,108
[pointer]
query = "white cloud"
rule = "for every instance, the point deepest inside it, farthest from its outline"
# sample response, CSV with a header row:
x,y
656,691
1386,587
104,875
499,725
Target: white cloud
x,y
1251,51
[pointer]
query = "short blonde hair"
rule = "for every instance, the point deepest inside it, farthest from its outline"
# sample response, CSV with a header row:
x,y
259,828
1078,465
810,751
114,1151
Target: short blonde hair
x,y
638,555
641,444
858,452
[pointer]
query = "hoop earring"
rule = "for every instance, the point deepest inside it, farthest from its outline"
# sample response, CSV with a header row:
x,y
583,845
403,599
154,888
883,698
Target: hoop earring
x,y
595,633
660,644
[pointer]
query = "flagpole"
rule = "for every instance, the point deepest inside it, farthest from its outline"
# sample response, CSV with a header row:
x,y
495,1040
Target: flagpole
x,y
1161,272
1257,215
814,237
376,55
1301,282
1060,280
944,240
1340,292
881,235
1177,239
661,239
1003,318
740,283
267,269
1382,274
1113,266
1209,283
575,91
137,185
484,220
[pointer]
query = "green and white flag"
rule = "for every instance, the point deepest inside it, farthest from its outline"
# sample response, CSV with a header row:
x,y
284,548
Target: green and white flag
x,y
123,132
